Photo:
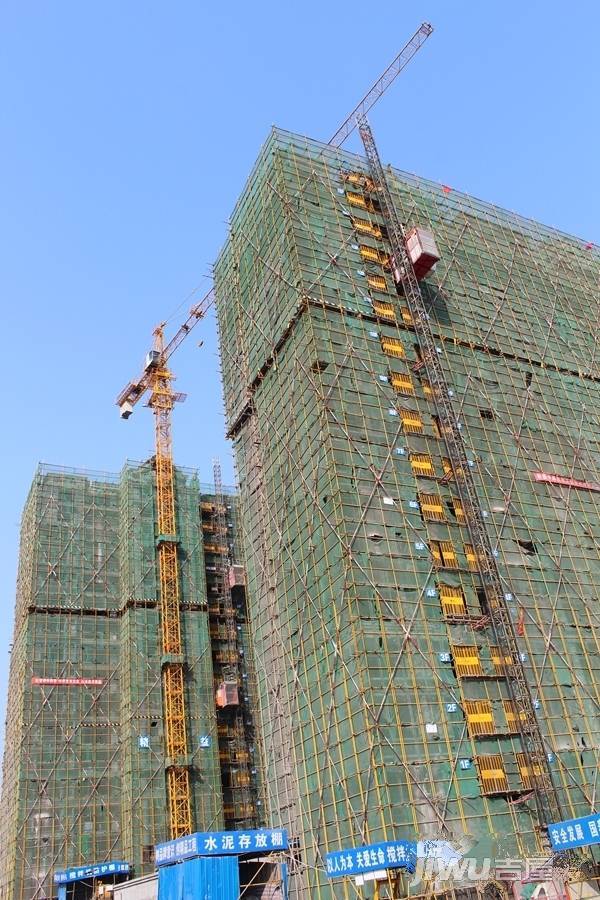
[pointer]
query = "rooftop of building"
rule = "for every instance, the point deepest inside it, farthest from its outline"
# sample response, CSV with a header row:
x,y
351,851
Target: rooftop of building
x,y
451,198
115,477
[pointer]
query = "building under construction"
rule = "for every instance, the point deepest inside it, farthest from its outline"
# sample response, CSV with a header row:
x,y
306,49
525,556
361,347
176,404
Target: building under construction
x,y
85,765
417,450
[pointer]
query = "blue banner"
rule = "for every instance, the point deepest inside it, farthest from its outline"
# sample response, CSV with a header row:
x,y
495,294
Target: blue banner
x,y
357,860
575,832
219,843
114,867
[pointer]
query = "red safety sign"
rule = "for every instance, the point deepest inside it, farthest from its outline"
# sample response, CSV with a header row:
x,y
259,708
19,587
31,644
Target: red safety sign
x,y
69,682
566,482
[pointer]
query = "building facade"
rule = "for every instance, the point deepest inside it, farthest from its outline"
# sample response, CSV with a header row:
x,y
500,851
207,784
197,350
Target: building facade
x,y
386,704
84,765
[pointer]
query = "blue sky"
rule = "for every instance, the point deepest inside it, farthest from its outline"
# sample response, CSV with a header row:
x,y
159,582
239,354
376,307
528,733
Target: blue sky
x,y
128,129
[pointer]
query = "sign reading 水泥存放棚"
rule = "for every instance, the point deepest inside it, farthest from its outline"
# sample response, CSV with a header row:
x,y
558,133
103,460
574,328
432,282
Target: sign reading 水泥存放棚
x,y
575,832
358,860
217,843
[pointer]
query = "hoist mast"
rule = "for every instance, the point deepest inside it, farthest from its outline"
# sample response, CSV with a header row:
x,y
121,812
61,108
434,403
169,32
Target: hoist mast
x,y
498,614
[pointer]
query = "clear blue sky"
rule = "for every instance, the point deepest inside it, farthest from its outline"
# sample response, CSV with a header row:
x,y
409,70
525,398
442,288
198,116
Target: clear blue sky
x,y
129,127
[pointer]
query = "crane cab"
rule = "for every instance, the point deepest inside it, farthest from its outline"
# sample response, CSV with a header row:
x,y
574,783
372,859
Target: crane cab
x,y
125,409
152,359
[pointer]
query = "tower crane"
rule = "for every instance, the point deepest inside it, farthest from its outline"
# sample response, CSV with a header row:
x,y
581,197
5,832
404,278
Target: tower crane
x,y
156,380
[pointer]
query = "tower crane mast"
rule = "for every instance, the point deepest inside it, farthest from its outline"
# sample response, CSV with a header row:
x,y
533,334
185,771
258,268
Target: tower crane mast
x,y
156,379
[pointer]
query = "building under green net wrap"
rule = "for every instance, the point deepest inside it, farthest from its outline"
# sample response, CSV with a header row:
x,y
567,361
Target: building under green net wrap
x,y
84,766
386,704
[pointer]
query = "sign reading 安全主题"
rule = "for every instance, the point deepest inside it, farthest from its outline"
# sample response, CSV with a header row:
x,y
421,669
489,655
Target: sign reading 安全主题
x,y
575,832
217,843
385,855
77,873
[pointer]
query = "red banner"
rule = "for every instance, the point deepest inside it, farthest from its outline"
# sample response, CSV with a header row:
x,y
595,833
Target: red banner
x,y
566,482
75,682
